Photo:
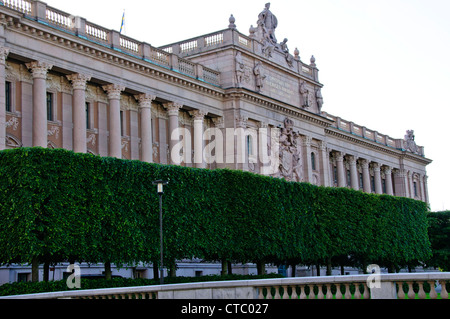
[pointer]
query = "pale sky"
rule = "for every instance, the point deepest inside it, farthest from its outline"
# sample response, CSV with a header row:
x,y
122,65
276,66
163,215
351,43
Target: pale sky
x,y
384,63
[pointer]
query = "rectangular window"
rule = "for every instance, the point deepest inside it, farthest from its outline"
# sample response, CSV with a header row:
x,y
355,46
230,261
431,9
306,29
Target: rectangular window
x,y
88,115
49,106
335,175
8,93
416,193
361,182
372,183
383,181
349,177
121,124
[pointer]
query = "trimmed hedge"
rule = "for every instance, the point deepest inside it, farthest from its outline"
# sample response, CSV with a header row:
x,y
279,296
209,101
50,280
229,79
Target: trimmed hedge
x,y
56,205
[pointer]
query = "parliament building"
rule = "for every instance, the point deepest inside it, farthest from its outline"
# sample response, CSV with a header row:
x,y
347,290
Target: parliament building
x,y
66,82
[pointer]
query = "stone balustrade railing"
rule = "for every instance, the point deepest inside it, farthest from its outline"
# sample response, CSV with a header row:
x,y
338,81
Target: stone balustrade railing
x,y
232,37
78,26
385,286
368,134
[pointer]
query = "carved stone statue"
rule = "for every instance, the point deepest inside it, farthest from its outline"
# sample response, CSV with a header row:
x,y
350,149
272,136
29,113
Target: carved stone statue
x,y
268,22
410,142
289,57
305,94
240,69
319,99
259,77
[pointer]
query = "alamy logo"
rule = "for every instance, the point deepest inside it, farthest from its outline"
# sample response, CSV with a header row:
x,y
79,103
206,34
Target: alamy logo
x,y
230,146
74,280
374,280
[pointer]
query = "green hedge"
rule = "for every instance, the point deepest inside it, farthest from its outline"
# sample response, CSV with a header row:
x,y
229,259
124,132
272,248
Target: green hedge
x,y
56,205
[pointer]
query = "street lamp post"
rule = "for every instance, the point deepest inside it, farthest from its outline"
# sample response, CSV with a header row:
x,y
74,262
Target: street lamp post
x,y
160,184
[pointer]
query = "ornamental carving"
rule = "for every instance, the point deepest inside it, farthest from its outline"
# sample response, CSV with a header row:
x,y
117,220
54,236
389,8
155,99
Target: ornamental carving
x,y
291,165
410,143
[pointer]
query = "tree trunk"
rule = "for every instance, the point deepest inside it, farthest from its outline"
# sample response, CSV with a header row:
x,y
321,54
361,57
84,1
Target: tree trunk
x,y
261,268
293,270
35,269
108,272
328,266
224,267
155,271
46,271
318,269
230,268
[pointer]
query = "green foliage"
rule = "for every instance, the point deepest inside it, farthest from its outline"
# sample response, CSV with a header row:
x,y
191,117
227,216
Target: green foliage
x,y
57,205
439,232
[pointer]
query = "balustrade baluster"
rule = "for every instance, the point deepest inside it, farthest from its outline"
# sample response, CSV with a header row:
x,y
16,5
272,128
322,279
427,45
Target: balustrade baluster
x,y
348,294
320,294
260,292
444,293
338,292
277,293
366,293
400,292
433,293
422,294
329,295
411,293
294,294
357,291
302,292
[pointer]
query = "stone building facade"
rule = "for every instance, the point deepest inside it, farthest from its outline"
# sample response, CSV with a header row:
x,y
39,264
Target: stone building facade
x,y
221,100
68,83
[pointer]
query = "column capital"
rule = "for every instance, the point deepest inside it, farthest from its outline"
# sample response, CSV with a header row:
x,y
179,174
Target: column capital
x,y
39,69
376,166
351,160
79,81
387,170
145,100
3,55
219,122
198,115
113,91
364,163
339,156
173,108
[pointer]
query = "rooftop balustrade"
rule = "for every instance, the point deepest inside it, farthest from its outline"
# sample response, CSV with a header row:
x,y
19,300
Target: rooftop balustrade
x,y
371,135
78,26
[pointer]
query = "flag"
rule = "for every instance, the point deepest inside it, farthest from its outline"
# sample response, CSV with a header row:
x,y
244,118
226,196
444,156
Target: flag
x,y
123,22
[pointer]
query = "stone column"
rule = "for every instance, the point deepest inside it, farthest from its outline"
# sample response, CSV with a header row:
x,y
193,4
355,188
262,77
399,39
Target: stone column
x,y
340,169
3,54
115,139
145,105
40,128
388,174
173,110
353,173
199,117
306,143
425,189
79,111
325,165
366,176
377,177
